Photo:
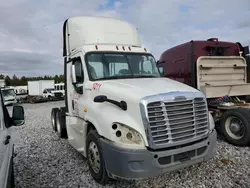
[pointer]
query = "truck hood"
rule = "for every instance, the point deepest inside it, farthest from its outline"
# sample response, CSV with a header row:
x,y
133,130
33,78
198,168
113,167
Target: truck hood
x,y
139,88
132,91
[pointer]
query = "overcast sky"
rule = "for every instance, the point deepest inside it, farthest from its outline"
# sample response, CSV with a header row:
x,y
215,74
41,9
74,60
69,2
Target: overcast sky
x,y
31,30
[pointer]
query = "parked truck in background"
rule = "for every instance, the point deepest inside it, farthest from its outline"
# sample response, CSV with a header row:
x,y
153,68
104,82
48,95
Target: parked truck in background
x,y
9,95
45,88
221,71
119,113
60,87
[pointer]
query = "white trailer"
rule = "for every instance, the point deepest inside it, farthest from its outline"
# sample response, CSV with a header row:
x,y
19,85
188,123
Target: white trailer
x,y
119,113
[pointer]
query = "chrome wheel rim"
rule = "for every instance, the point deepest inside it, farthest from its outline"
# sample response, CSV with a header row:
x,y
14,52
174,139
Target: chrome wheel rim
x,y
94,157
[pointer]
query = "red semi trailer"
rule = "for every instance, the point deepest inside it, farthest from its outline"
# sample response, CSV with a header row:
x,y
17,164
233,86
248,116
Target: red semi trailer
x,y
221,71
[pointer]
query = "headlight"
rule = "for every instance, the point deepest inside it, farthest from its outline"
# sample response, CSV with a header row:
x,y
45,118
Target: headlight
x,y
127,136
211,122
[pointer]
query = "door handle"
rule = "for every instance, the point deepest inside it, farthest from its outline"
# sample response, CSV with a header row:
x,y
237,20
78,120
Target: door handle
x,y
7,140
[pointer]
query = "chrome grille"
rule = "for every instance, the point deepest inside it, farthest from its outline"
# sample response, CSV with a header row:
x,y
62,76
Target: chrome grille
x,y
171,122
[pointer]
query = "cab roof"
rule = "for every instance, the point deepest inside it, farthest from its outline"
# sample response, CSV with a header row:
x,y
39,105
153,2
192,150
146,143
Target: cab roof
x,y
87,30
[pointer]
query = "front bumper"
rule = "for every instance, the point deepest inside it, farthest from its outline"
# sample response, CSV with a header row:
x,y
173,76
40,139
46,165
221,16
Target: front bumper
x,y
138,164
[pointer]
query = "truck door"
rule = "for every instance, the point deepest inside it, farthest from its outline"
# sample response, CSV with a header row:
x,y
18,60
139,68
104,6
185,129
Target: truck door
x,y
77,100
78,90
6,146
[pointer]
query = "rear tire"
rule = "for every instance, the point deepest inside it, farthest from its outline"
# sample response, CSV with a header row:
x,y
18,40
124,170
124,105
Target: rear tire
x,y
53,118
235,126
95,159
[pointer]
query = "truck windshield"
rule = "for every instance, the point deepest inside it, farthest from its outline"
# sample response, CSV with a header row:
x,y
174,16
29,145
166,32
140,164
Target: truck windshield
x,y
104,66
8,92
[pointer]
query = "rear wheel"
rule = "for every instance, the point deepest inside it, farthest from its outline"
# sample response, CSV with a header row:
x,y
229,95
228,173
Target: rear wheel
x,y
235,126
95,159
53,118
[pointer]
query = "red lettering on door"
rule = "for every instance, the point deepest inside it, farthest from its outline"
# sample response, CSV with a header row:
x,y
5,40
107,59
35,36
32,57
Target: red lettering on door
x,y
96,86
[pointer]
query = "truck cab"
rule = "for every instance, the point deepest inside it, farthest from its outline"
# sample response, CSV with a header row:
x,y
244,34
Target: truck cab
x,y
126,119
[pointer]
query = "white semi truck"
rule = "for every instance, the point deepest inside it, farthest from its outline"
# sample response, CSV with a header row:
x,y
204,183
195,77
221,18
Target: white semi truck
x,y
128,122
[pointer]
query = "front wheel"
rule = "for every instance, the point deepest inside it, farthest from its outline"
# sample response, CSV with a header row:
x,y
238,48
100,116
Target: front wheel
x,y
95,159
53,118
61,124
235,126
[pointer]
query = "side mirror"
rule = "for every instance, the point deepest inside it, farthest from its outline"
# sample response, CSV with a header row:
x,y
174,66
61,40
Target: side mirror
x,y
161,71
100,98
18,116
73,74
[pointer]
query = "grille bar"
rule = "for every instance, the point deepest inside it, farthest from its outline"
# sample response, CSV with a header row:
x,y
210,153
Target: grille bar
x,y
177,121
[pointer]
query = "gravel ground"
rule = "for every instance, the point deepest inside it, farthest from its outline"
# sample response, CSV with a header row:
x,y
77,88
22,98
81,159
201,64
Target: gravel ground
x,y
43,160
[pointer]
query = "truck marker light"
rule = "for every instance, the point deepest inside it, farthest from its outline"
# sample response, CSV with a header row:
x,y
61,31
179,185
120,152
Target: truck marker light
x,y
129,136
96,47
117,48
123,48
118,133
129,48
114,126
85,109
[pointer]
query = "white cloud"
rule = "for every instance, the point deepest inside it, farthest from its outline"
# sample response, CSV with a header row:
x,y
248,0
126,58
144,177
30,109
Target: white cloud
x,y
36,26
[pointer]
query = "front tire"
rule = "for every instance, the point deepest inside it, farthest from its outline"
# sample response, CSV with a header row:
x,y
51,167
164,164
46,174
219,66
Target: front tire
x,y
61,124
95,159
235,126
53,118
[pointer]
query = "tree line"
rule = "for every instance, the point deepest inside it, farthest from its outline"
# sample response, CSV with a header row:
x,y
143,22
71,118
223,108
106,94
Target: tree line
x,y
15,81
